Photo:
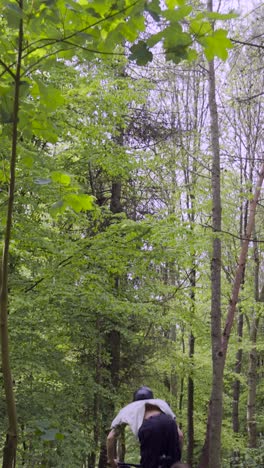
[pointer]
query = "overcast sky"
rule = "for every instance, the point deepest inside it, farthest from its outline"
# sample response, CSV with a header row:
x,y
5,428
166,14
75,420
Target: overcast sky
x,y
242,5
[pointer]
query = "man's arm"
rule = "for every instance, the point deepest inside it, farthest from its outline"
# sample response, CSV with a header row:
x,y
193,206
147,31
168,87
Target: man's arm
x,y
111,448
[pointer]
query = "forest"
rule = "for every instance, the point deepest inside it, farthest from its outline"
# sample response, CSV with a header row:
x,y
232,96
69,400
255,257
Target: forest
x,y
131,199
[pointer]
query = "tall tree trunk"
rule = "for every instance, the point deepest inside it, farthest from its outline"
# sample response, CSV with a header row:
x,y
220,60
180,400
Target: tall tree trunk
x,y
238,367
190,408
112,339
190,396
253,358
9,455
97,401
252,390
240,325
190,400
213,454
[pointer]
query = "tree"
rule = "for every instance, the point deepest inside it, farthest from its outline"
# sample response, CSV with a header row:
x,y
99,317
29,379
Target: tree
x,y
212,450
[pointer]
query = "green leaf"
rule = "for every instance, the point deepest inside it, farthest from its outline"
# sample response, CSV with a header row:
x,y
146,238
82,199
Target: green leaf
x,y
192,55
60,436
177,54
221,16
140,53
49,96
24,88
6,103
178,14
79,202
173,3
217,45
200,28
4,176
58,207
125,29
27,157
154,39
44,129
61,178
173,35
153,8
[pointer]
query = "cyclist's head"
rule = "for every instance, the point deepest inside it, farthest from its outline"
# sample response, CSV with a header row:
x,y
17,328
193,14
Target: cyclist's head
x,y
143,393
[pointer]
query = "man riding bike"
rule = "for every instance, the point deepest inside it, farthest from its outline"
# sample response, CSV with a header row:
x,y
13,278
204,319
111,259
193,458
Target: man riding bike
x,y
153,423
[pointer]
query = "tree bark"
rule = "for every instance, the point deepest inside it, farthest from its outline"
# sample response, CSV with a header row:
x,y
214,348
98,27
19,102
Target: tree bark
x,y
240,325
252,392
241,264
190,428
236,385
190,403
213,456
9,453
253,360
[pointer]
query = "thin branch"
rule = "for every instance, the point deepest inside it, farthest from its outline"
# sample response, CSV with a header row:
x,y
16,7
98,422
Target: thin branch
x,y
250,44
34,285
7,69
235,236
31,67
78,46
250,97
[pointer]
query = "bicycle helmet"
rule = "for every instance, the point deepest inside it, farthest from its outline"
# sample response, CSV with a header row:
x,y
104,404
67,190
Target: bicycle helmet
x,y
143,393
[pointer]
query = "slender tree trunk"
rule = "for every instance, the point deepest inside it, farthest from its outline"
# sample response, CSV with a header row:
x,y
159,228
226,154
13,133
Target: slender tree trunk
x,y
190,401
213,445
253,359
238,367
113,337
252,390
190,429
240,325
9,455
241,263
103,455
96,402
190,404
